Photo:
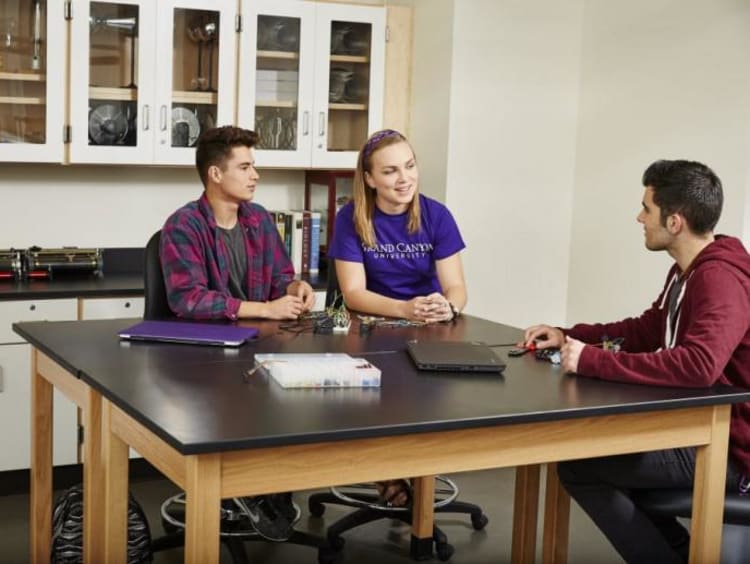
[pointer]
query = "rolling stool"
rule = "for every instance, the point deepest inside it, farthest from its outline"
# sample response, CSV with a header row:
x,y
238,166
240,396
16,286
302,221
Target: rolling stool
x,y
369,507
235,529
678,502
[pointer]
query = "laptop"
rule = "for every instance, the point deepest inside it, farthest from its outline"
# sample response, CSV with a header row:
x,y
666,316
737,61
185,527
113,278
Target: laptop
x,y
454,356
189,332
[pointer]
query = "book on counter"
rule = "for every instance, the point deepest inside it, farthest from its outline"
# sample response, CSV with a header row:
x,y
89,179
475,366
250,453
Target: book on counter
x,y
319,370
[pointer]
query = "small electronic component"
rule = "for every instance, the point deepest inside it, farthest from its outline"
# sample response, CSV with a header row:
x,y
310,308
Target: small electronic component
x,y
552,355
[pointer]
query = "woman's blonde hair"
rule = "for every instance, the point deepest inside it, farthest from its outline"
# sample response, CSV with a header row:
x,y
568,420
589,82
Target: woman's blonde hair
x,y
364,196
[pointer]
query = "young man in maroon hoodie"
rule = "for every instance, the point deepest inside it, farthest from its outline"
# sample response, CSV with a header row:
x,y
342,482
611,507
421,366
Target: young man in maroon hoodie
x,y
696,334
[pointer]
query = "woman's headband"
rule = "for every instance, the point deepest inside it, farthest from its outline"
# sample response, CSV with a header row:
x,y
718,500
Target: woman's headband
x,y
377,138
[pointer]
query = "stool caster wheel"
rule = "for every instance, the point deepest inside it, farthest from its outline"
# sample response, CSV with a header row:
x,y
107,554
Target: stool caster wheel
x,y
316,509
444,551
479,522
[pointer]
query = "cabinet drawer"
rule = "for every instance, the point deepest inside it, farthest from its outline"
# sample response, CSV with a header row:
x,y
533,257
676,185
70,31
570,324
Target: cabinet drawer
x,y
33,310
111,308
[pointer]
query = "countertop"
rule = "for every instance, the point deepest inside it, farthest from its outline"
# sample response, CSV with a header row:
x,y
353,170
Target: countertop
x,y
122,276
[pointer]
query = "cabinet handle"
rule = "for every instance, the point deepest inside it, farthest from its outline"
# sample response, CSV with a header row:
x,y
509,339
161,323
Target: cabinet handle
x,y
163,118
305,123
146,117
32,307
322,124
127,305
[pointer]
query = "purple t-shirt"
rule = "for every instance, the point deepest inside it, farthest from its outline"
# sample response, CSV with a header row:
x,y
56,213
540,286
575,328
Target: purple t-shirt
x,y
402,264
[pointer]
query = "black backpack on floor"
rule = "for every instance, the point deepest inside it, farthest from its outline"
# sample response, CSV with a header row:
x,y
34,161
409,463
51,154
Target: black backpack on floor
x,y
67,530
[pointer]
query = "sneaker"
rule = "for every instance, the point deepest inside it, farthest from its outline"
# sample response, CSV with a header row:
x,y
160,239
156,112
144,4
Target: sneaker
x,y
284,504
267,521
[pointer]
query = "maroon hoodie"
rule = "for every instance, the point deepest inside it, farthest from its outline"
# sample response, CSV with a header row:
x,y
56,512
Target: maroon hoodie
x,y
711,342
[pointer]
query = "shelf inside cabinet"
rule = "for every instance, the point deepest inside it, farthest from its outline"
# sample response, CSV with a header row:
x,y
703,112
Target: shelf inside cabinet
x,y
275,104
350,59
191,97
22,76
359,107
23,100
108,93
289,55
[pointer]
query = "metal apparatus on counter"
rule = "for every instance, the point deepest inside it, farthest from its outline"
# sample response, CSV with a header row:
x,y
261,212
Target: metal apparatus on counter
x,y
11,264
68,261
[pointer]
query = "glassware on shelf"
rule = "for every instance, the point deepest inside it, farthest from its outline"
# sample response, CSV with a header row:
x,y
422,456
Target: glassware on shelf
x,y
350,39
36,58
278,34
203,33
337,84
127,24
9,33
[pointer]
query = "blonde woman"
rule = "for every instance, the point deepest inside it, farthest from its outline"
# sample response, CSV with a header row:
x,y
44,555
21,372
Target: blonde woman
x,y
397,252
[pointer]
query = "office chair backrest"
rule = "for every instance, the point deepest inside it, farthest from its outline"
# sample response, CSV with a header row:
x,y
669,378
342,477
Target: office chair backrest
x,y
156,305
332,288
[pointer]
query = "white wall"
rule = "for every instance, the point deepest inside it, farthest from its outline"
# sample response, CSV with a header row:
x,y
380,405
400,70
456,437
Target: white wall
x,y
511,151
430,98
554,111
98,206
659,79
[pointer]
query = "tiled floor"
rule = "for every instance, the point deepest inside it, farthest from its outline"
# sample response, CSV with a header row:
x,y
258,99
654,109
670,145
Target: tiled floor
x,y
382,542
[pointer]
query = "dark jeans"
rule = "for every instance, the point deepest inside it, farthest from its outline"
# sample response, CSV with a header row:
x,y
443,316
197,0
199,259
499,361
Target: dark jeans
x,y
601,487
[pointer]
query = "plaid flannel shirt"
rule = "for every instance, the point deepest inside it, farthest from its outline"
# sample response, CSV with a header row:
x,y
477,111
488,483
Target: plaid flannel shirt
x,y
195,261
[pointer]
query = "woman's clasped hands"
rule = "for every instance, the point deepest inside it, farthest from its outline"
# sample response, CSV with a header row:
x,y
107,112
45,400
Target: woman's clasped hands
x,y
430,309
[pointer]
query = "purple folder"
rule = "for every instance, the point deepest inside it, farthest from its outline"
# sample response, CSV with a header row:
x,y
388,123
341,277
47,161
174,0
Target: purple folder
x,y
189,332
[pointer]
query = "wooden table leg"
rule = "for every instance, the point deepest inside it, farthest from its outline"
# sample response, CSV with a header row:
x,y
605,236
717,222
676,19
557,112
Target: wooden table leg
x,y
203,497
423,516
708,491
525,508
40,523
114,493
93,479
556,518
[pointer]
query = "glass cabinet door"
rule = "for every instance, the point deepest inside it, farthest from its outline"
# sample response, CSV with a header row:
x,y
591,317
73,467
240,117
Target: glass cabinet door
x,y
31,80
349,81
111,81
195,75
147,77
276,80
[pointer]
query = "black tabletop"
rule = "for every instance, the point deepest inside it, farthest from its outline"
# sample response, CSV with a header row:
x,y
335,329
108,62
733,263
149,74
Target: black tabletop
x,y
196,399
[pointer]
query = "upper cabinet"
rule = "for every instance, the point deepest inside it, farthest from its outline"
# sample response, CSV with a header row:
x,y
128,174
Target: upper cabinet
x,y
311,80
137,81
147,77
32,36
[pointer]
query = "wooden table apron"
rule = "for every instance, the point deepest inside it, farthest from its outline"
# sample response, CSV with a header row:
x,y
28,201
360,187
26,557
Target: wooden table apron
x,y
207,478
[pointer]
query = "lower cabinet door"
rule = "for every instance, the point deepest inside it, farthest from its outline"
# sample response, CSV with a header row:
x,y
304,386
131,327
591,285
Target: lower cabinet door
x,y
15,413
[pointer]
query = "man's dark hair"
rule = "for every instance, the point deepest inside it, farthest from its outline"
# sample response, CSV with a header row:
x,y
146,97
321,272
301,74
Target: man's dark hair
x,y
215,147
689,188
